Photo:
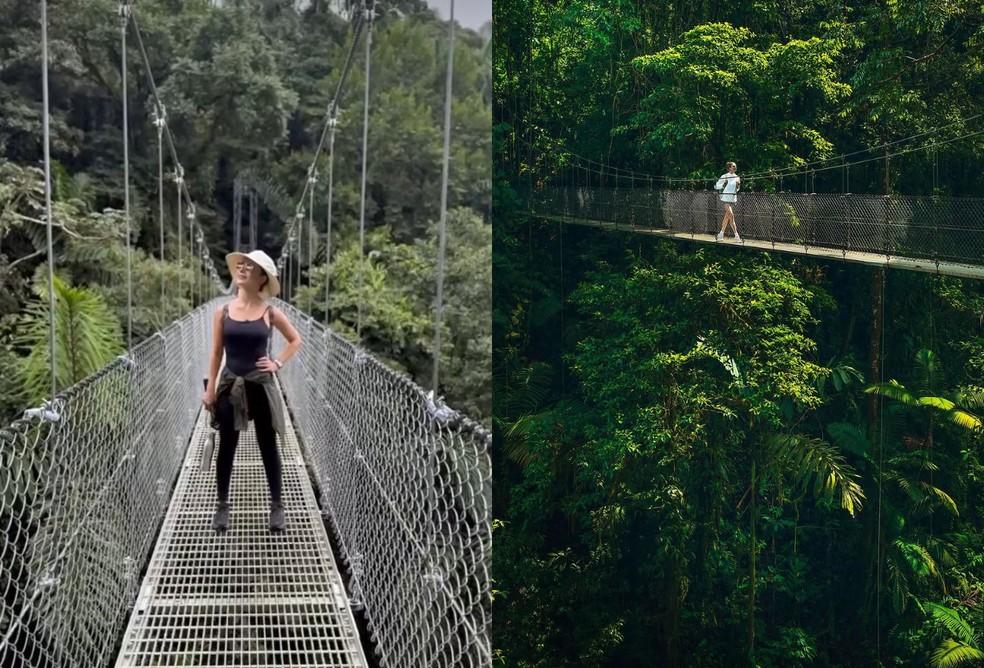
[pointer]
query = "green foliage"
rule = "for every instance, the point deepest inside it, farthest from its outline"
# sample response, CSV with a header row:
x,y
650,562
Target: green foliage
x,y
87,337
962,648
952,653
810,459
397,303
246,84
681,481
940,405
706,85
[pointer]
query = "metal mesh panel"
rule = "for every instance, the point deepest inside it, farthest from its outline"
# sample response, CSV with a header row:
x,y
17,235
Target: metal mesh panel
x,y
84,486
407,488
923,228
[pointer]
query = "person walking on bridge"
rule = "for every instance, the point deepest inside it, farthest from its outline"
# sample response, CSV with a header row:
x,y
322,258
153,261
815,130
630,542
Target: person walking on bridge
x,y
728,186
245,389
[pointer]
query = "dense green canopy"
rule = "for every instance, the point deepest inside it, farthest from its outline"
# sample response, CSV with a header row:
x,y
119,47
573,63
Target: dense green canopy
x,y
713,456
246,84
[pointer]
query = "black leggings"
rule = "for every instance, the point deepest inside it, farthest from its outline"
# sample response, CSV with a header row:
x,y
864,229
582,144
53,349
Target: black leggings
x,y
259,412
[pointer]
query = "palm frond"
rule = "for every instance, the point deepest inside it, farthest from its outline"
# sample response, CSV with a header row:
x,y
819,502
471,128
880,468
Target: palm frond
x,y
87,336
962,418
814,460
918,559
941,497
940,403
898,585
952,621
952,653
927,368
850,437
517,441
893,390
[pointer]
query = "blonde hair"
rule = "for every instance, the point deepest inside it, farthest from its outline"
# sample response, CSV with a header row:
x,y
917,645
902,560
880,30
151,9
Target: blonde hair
x,y
729,165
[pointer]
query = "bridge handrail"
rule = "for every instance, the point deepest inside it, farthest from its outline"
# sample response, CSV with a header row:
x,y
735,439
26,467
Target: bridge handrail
x,y
406,484
927,227
84,484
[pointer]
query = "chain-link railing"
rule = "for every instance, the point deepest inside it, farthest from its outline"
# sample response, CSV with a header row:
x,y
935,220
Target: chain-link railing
x,y
84,484
406,485
945,229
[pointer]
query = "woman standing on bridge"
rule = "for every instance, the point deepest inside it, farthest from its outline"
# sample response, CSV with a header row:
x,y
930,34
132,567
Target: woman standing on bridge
x,y
728,185
245,390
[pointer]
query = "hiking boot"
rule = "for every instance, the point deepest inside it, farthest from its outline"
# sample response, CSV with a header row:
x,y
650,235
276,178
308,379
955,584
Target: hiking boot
x,y
277,520
220,521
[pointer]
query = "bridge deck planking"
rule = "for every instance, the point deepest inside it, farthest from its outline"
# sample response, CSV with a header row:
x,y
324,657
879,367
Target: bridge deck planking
x,y
248,597
858,257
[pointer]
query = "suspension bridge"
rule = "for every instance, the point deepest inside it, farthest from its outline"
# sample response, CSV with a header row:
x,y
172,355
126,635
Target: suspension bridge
x,y
107,553
932,233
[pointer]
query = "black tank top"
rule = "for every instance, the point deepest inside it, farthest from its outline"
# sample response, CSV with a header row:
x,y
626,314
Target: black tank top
x,y
245,342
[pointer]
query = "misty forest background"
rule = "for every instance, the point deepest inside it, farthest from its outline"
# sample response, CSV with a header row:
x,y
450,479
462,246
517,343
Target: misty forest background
x,y
715,457
246,84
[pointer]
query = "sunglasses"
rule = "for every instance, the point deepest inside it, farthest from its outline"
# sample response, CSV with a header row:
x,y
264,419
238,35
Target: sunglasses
x,y
245,266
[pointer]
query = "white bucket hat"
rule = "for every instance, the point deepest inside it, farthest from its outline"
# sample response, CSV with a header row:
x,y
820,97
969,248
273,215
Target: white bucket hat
x,y
261,260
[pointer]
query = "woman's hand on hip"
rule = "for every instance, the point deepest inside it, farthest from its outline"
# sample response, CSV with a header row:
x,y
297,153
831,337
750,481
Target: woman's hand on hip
x,y
267,364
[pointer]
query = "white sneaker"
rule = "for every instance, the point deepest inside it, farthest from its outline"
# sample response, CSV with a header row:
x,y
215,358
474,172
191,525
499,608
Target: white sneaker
x,y
737,238
720,236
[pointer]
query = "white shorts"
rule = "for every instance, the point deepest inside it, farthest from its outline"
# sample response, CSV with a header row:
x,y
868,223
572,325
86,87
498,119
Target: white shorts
x,y
729,198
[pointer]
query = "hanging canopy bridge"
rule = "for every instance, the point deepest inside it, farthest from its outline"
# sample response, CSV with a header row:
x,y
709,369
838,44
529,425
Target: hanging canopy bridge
x,y
107,552
932,233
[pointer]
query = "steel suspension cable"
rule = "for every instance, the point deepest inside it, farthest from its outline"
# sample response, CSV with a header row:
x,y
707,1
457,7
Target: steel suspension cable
x,y
160,116
300,248
331,178
192,252
442,225
314,180
179,183
881,465
369,11
252,220
183,191
331,114
47,193
193,255
237,214
124,20
788,171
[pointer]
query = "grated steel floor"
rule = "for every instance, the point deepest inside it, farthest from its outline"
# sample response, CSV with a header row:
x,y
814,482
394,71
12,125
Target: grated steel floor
x,y
247,597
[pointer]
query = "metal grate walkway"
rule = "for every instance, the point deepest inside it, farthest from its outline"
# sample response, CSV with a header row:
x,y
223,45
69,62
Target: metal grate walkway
x,y
248,597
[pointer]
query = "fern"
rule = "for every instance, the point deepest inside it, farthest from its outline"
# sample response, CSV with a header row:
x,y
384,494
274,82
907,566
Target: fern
x,y
953,622
952,653
87,337
814,460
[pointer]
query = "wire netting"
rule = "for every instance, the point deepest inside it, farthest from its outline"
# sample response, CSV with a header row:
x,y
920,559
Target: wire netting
x,y
406,483
85,483
934,228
